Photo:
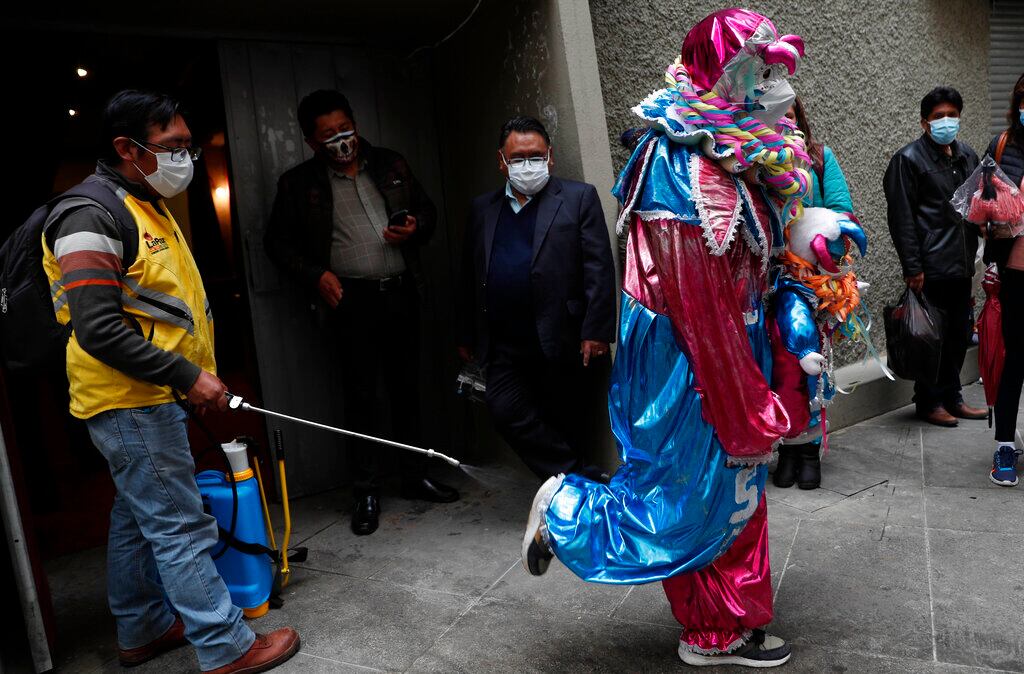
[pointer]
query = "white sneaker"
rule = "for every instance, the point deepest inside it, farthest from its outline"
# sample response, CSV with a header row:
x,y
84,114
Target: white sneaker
x,y
536,554
760,650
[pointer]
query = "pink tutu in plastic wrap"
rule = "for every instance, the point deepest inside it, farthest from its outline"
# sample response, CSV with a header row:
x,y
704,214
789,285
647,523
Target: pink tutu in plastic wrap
x,y
1006,207
989,199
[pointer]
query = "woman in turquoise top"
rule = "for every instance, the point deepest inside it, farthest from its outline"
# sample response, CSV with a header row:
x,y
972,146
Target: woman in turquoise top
x,y
828,184
799,460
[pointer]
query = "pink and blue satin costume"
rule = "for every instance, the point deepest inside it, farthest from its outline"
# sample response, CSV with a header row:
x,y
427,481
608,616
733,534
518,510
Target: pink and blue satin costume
x,y
690,405
674,505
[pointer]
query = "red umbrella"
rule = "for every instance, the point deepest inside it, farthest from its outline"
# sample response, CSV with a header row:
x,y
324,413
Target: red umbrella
x,y
991,352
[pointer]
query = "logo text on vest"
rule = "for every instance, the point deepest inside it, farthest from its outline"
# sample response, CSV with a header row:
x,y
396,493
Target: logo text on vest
x,y
155,244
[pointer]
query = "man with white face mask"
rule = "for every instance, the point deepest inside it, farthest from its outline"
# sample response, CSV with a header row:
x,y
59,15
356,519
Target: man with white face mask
x,y
121,274
538,300
936,246
348,225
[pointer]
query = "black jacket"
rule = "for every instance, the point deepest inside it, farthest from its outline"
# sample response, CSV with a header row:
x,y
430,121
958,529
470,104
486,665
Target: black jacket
x,y
1012,163
572,276
298,235
928,234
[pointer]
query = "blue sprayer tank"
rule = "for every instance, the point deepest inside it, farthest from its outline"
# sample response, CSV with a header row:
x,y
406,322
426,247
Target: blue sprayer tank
x,y
249,577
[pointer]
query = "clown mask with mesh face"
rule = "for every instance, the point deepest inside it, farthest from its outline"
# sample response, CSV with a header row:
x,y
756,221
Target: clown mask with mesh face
x,y
739,55
755,78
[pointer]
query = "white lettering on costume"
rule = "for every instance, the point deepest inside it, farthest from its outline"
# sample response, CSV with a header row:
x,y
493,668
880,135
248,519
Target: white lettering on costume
x,y
746,498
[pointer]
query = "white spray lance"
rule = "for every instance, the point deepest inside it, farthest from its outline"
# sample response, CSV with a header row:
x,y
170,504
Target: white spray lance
x,y
236,403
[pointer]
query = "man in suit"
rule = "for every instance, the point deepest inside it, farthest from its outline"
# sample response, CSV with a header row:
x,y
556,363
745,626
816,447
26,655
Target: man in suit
x,y
538,302
347,225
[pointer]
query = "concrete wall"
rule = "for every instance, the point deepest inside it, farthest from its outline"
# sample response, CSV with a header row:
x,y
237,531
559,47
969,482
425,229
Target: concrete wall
x,y
866,69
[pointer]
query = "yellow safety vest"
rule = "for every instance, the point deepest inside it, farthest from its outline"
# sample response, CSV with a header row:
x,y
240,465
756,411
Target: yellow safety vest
x,y
162,296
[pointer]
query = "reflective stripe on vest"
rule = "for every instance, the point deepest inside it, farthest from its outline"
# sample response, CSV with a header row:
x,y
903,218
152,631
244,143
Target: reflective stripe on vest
x,y
159,305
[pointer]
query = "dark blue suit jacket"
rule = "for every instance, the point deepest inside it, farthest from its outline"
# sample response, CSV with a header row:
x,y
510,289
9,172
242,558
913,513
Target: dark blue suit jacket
x,y
572,274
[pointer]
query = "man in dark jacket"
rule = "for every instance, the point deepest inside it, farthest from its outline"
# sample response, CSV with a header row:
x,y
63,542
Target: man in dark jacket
x,y
348,224
538,302
935,245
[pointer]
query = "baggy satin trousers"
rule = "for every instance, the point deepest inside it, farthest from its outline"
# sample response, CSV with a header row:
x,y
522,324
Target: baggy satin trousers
x,y
719,605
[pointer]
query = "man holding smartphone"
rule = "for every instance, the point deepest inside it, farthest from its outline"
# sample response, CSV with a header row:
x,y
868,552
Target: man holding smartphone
x,y
349,223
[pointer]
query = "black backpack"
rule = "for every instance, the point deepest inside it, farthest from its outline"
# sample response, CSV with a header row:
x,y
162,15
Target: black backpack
x,y
30,336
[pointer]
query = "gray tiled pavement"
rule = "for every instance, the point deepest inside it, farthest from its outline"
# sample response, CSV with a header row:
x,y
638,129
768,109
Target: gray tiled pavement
x,y
908,560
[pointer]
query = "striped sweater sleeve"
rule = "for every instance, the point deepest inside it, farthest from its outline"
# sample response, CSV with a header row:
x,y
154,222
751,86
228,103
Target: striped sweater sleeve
x,y
88,248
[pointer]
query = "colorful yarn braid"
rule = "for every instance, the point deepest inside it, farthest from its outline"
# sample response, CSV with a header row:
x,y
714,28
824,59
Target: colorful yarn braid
x,y
783,159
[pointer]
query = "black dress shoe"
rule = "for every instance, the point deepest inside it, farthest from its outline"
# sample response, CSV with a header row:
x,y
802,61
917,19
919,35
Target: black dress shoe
x,y
428,490
366,516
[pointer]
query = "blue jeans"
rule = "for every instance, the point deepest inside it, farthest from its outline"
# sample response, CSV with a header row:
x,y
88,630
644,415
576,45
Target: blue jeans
x,y
160,538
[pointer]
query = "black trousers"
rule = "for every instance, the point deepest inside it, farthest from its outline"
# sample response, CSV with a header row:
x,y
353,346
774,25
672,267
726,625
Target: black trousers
x,y
953,298
378,341
1011,297
538,407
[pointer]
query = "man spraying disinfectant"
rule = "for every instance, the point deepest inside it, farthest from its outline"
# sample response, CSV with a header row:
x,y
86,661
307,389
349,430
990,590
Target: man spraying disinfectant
x,y
121,275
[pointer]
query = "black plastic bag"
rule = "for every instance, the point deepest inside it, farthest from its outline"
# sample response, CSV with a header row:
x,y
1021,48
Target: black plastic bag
x,y
913,335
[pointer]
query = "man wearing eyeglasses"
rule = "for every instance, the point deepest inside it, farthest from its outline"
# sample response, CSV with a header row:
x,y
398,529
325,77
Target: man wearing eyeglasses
x,y
538,301
121,274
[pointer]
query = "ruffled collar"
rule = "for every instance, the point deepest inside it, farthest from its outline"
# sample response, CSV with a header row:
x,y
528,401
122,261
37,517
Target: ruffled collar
x,y
661,111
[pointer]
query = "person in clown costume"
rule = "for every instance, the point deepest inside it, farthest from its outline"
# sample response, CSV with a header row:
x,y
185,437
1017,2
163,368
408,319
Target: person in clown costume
x,y
704,197
815,301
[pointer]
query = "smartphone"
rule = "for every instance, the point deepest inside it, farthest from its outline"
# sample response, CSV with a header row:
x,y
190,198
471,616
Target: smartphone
x,y
397,218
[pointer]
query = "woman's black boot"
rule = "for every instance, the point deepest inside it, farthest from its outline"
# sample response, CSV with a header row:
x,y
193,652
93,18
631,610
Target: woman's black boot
x,y
809,476
787,467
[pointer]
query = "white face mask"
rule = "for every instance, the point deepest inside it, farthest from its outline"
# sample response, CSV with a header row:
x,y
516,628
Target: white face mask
x,y
171,178
342,146
774,104
526,178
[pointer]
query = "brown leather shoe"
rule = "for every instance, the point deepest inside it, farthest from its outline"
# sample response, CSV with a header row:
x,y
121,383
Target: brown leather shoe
x,y
267,652
168,641
965,411
939,417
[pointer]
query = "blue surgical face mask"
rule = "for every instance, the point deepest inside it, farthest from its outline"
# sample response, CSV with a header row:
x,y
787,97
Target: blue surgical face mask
x,y
944,130
1021,112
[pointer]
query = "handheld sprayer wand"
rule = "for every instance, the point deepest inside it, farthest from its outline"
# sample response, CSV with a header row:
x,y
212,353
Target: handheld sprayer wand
x,y
236,402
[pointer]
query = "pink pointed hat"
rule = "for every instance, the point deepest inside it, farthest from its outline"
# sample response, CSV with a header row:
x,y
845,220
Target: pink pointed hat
x,y
720,36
